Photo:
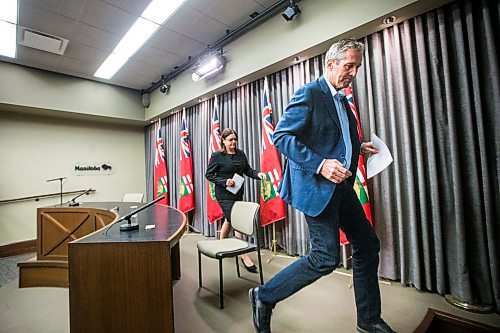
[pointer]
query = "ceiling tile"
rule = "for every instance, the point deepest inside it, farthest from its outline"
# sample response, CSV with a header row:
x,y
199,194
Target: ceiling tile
x,y
206,30
175,43
234,13
184,17
37,58
85,53
76,67
132,80
104,16
97,38
94,28
45,21
156,57
134,7
68,8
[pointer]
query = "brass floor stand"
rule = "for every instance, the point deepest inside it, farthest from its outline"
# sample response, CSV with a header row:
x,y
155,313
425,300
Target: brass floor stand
x,y
274,250
189,226
478,308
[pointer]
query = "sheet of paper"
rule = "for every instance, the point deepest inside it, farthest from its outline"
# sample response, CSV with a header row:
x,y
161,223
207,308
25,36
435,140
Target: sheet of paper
x,y
238,182
378,162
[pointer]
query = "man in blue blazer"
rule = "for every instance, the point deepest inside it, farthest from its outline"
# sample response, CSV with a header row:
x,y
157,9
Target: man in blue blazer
x,y
318,135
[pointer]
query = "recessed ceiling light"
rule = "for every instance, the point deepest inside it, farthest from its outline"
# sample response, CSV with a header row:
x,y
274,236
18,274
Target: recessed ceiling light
x,y
8,28
157,12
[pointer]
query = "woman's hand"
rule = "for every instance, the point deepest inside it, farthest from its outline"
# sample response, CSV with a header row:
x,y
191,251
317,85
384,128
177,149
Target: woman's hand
x,y
230,182
261,175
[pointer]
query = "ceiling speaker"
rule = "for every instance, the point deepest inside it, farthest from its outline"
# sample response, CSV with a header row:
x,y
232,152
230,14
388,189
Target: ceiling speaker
x,y
146,100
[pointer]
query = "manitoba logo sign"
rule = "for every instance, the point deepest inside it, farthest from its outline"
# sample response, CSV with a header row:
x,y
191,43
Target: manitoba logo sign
x,y
93,169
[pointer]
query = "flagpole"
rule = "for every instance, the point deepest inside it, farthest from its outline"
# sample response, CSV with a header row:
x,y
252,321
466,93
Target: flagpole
x,y
189,217
274,250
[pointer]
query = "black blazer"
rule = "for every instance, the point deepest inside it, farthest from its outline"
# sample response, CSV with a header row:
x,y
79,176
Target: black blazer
x,y
223,166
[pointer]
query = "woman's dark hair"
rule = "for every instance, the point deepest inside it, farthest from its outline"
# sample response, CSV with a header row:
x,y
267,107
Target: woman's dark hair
x,y
225,133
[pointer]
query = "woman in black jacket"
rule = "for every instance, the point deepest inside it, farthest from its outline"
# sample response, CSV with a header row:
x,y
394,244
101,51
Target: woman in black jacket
x,y
221,169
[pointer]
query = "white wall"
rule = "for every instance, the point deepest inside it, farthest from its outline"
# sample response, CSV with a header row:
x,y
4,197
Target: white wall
x,y
36,148
28,88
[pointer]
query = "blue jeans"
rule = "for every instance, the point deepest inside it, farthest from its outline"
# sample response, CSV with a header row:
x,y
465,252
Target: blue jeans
x,y
343,211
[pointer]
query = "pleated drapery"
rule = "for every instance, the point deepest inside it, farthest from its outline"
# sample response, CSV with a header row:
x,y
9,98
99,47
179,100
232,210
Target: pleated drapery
x,y
429,87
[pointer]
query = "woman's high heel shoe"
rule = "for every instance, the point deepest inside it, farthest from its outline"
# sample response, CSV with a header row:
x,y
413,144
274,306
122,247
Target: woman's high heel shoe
x,y
251,269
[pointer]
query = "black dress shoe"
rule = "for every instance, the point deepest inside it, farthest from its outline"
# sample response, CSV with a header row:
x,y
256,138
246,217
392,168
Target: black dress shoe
x,y
261,312
380,327
251,269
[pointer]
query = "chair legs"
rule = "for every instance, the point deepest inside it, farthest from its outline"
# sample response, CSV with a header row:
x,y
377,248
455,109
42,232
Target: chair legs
x,y
199,269
260,267
237,266
221,276
221,286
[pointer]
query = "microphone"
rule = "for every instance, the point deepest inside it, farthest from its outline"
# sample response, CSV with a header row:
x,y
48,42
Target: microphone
x,y
134,225
72,202
59,178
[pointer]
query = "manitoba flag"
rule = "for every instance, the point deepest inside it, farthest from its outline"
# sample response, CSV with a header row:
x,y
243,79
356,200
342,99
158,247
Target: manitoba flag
x,y
160,172
272,207
360,185
186,189
214,212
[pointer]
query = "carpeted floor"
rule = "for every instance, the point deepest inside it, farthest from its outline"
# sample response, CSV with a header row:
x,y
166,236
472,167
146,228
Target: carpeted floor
x,y
325,306
8,267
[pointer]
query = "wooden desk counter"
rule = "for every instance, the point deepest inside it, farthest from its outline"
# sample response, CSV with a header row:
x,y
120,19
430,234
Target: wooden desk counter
x,y
122,281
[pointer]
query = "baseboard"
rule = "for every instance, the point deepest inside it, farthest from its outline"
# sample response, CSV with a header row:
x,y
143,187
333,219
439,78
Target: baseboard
x,y
17,248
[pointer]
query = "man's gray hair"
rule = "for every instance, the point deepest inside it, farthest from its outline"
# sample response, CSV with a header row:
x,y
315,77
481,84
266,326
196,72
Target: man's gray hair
x,y
338,49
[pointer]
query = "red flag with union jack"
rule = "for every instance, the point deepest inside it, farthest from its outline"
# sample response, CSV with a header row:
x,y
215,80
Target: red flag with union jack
x,y
272,207
160,172
214,212
186,189
360,185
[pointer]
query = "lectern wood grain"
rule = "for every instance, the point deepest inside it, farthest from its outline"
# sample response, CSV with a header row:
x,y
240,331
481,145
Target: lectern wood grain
x,y
56,227
122,281
121,287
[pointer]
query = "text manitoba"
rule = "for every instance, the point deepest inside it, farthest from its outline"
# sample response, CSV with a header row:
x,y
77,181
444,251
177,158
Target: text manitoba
x,y
87,168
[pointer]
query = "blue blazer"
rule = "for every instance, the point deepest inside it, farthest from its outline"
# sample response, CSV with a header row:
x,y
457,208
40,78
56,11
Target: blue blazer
x,y
309,132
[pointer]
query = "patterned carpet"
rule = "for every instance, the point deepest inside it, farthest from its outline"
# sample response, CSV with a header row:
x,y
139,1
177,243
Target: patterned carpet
x,y
8,267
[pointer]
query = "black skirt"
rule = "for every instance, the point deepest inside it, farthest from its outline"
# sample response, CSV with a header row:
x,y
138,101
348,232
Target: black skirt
x,y
227,206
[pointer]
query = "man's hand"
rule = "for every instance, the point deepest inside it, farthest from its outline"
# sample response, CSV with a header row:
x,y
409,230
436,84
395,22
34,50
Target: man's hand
x,y
334,171
368,148
230,182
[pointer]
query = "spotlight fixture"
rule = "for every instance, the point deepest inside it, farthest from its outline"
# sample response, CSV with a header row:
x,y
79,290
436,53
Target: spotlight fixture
x,y
389,20
209,66
164,88
292,11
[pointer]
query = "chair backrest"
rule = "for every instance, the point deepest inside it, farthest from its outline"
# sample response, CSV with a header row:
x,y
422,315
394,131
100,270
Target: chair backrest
x,y
132,197
244,216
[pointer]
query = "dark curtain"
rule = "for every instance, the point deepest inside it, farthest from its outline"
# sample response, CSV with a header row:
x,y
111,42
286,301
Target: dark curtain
x,y
429,88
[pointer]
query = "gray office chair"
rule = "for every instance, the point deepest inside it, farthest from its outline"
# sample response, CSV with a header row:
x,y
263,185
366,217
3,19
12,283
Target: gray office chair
x,y
132,197
245,219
